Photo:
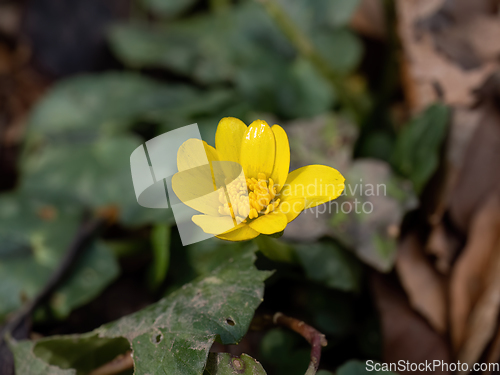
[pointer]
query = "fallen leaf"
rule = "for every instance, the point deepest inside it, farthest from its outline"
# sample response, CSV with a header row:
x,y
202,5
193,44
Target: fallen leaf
x,y
478,175
470,43
468,278
406,335
444,246
426,288
482,324
369,19
493,353
430,75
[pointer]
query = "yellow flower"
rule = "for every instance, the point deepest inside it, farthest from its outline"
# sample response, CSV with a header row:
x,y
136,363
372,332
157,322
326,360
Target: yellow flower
x,y
266,198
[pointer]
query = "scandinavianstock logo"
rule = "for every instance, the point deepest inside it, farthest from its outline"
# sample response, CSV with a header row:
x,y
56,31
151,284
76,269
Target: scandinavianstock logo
x,y
162,183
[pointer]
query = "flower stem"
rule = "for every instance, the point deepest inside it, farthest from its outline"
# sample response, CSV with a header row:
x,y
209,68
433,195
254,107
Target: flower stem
x,y
276,250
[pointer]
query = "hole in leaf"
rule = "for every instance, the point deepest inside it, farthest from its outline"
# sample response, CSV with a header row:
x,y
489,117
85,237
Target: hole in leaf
x,y
55,351
156,338
230,321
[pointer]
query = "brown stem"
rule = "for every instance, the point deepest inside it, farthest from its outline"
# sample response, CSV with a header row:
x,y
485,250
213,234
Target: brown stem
x,y
121,363
313,337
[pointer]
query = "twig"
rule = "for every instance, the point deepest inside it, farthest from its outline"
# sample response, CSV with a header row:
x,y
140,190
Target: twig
x,y
17,327
313,337
121,363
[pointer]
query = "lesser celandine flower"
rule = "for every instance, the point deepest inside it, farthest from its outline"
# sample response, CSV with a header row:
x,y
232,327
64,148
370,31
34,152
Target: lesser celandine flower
x,y
266,197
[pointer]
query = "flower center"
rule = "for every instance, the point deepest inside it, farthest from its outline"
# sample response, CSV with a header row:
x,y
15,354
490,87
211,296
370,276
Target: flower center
x,y
261,195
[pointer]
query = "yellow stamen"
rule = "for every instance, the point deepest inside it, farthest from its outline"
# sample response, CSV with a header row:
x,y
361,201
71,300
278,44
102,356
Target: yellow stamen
x,y
249,198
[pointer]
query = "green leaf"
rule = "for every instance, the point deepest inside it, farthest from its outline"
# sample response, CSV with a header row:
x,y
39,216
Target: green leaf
x,y
160,240
416,154
39,230
175,334
290,89
355,367
327,263
227,364
241,46
342,49
96,269
208,255
92,175
26,363
195,47
340,12
209,48
82,108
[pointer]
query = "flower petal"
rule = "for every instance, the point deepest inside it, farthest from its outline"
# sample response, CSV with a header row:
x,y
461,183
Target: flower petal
x,y
271,223
228,137
291,208
214,225
195,153
316,183
194,187
241,234
258,150
282,161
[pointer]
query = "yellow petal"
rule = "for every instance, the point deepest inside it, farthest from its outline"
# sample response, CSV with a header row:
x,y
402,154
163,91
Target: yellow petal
x,y
243,233
282,161
291,208
271,223
214,225
195,153
228,138
258,150
316,183
194,187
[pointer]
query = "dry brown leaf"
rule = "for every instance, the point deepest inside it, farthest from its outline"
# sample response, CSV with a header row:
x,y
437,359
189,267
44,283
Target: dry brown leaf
x,y
443,242
472,42
493,354
443,246
426,288
463,10
406,335
478,176
468,278
482,32
482,324
369,19
431,76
